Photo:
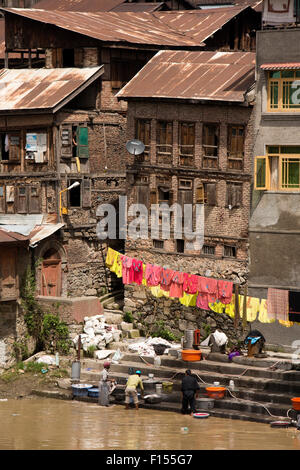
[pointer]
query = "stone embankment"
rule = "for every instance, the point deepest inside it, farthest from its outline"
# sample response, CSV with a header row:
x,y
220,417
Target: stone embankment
x,y
262,392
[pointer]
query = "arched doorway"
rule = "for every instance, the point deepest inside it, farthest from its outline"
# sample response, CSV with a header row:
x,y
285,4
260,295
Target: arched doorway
x,y
51,273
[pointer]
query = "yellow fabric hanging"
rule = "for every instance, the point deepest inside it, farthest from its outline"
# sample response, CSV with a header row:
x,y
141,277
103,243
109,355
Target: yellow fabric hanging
x,y
144,282
117,267
110,256
156,291
189,300
253,304
263,313
286,323
217,306
230,308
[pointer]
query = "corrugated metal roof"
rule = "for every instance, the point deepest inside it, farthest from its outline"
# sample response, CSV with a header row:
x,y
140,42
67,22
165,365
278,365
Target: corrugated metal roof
x,y
78,5
43,231
12,238
28,228
282,66
42,89
164,28
224,76
138,7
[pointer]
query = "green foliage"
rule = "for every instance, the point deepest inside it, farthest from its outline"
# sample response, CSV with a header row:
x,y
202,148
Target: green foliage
x,y
48,330
33,313
162,332
128,317
21,350
90,351
55,334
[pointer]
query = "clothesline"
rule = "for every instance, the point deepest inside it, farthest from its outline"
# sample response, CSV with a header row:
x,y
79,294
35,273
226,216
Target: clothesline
x,y
193,290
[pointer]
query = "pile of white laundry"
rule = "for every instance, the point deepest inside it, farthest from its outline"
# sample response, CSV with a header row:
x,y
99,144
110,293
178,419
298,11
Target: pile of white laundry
x,y
97,333
146,348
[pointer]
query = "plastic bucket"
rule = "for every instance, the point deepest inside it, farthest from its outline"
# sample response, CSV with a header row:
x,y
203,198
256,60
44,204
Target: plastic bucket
x,y
75,372
205,403
93,392
188,339
167,387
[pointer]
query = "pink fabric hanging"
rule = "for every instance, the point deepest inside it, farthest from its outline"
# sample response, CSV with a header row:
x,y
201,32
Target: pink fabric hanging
x,y
153,274
225,289
208,286
166,278
137,267
190,283
127,272
202,301
176,287
278,304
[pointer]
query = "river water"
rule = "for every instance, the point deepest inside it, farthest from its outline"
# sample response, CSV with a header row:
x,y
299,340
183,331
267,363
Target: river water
x,y
51,424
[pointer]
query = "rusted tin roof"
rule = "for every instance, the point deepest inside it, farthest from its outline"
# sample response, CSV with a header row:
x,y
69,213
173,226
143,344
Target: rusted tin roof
x,y
78,5
221,76
138,7
188,28
43,89
28,229
13,238
282,66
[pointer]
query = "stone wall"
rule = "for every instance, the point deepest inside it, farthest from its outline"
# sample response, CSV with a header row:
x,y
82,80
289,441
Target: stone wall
x,y
147,311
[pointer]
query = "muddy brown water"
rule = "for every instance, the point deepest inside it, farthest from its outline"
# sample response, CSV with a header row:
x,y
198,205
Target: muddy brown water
x,y
50,424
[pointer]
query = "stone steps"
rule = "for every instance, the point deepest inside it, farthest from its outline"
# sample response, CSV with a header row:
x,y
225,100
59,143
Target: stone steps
x,y
261,394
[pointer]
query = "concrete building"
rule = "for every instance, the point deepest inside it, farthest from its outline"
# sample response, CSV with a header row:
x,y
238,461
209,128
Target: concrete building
x,y
274,223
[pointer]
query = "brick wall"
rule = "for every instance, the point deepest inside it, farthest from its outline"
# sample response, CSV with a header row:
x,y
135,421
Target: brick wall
x,y
223,226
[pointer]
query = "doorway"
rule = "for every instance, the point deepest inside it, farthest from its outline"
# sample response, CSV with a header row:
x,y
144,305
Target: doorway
x,y
51,274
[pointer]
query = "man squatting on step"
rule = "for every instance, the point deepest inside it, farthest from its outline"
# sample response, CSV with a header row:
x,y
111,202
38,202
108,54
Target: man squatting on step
x,y
134,381
189,388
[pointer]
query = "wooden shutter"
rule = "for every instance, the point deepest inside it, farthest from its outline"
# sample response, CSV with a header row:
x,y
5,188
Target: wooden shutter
x,y
236,141
237,195
82,142
14,147
153,196
66,141
185,197
86,193
211,194
142,195
34,200
8,273
22,200
200,194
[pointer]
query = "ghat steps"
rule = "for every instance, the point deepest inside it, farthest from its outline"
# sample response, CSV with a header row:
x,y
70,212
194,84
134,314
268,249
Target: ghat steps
x,y
263,387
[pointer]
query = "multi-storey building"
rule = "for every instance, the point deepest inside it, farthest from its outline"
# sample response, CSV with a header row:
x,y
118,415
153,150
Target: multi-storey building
x,y
193,112
274,223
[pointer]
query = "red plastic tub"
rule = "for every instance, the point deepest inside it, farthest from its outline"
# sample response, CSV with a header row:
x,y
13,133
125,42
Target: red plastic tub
x,y
215,392
191,355
296,403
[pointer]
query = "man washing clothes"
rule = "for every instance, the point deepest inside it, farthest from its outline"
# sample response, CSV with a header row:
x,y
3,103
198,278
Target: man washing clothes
x,y
134,381
189,389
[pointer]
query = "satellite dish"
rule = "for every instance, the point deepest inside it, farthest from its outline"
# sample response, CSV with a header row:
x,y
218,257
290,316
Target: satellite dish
x,y
135,147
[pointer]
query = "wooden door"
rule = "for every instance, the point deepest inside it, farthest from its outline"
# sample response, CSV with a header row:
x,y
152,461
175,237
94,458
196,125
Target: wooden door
x,y
8,273
51,275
